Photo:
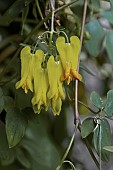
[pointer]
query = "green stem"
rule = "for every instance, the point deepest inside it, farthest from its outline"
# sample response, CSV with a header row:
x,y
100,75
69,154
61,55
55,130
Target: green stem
x,y
46,32
52,2
67,40
52,28
71,164
40,12
100,147
89,149
68,149
52,17
86,106
91,153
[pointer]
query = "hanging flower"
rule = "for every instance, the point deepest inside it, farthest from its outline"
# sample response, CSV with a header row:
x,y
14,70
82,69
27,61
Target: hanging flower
x,y
55,93
69,53
46,83
26,70
40,77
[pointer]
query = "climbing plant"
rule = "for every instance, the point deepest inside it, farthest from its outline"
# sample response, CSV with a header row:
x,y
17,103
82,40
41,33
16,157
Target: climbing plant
x,y
55,77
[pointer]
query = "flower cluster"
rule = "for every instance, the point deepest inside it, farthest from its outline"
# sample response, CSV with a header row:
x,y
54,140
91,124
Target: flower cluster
x,y
46,83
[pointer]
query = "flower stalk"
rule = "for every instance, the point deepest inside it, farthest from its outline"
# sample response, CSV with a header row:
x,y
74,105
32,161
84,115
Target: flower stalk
x,y
68,149
76,114
52,27
40,12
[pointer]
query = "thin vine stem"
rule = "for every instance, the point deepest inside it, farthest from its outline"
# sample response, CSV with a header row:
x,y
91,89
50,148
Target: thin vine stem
x,y
68,149
52,27
86,106
52,2
91,153
81,40
89,149
71,164
100,147
67,40
76,86
40,12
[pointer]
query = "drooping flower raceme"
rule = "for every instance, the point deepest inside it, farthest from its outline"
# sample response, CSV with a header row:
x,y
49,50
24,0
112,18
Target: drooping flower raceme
x,y
46,83
56,92
41,84
26,81
69,53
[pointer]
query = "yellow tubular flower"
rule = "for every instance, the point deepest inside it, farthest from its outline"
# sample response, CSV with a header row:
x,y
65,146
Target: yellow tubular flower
x,y
56,105
26,70
39,99
55,92
69,53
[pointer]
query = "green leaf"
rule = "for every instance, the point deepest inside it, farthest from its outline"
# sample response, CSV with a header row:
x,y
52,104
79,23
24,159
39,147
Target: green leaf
x,y
1,104
13,11
108,148
83,67
108,15
1,92
40,149
22,158
111,1
4,149
101,138
77,8
29,114
96,100
16,124
109,45
1,100
9,159
8,102
22,100
95,5
94,45
87,127
109,103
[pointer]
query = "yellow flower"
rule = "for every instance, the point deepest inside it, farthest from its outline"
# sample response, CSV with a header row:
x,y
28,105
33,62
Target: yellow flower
x,y
55,93
39,99
56,104
26,70
69,53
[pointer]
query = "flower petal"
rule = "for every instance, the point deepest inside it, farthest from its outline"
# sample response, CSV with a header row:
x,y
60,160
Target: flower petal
x,y
76,75
26,70
40,83
69,54
60,87
52,76
75,44
56,106
61,47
